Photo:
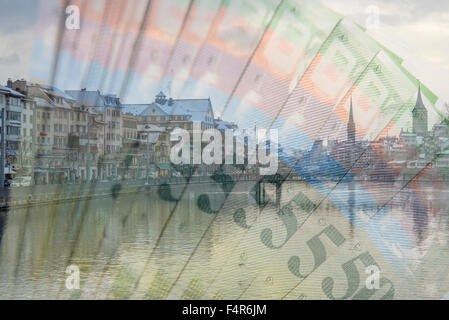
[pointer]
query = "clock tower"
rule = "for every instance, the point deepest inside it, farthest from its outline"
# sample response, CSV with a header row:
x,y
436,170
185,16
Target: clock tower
x,y
419,114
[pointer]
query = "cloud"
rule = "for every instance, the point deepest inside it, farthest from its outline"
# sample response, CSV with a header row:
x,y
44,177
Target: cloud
x,y
17,15
15,54
416,30
11,59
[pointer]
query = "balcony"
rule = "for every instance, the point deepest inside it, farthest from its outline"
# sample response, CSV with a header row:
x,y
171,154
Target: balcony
x,y
13,137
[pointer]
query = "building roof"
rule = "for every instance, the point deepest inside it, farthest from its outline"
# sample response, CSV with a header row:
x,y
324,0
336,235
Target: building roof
x,y
94,98
43,94
196,109
40,102
419,105
56,92
224,125
138,109
10,91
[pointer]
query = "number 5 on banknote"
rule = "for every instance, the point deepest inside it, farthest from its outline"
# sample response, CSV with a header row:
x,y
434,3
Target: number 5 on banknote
x,y
292,215
318,250
353,279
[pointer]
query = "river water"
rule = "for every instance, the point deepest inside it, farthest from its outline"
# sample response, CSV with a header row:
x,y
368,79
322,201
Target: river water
x,y
208,242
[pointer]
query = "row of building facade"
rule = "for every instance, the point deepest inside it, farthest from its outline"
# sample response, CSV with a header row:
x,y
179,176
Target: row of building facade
x,y
56,136
385,158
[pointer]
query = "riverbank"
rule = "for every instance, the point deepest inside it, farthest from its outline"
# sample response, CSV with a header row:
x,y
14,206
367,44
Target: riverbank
x,y
21,197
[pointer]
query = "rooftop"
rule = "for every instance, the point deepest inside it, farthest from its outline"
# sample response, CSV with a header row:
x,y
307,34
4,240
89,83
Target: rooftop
x,y
197,109
94,98
10,91
419,105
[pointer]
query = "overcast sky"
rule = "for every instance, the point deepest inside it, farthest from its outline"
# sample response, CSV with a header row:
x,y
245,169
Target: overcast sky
x,y
17,19
417,30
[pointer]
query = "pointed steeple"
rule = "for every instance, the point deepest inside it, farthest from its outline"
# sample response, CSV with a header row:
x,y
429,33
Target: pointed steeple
x,y
351,125
351,116
419,115
419,105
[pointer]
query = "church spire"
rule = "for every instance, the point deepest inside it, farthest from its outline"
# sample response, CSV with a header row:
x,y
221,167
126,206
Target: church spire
x,y
419,103
351,125
419,115
351,116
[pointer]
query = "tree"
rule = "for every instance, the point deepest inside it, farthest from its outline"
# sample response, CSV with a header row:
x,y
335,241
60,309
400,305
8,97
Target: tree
x,y
25,156
446,112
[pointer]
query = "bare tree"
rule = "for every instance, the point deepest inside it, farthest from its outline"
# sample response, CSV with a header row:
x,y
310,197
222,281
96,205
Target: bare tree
x,y
24,156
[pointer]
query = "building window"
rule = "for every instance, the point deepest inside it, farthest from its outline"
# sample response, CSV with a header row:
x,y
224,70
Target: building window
x,y
13,130
14,101
11,115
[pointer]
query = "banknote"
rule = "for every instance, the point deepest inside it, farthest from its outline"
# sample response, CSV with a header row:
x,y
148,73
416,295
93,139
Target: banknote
x,y
193,35
285,10
396,87
235,34
226,149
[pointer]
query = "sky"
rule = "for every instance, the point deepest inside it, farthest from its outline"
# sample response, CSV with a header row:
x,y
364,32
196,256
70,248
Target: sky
x,y
16,34
416,30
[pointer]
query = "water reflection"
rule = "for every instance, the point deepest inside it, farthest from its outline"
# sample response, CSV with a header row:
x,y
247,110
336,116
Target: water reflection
x,y
351,205
114,238
420,218
3,216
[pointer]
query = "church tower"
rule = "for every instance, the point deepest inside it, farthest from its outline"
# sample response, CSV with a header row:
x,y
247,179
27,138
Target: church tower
x,y
419,114
350,129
